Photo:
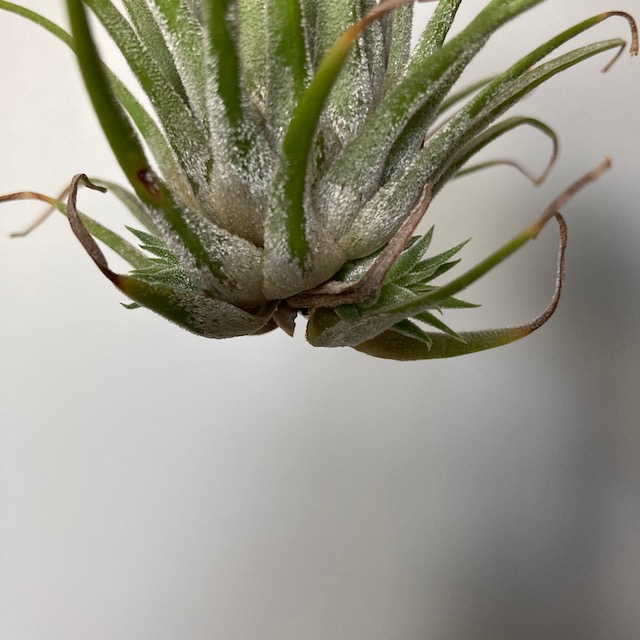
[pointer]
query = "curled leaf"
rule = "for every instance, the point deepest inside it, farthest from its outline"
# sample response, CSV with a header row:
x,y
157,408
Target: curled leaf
x,y
192,310
458,167
397,345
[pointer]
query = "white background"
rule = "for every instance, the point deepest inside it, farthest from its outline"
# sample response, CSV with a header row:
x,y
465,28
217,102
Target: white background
x,y
155,485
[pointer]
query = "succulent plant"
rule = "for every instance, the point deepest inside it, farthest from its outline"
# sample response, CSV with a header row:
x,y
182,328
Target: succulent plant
x,y
292,149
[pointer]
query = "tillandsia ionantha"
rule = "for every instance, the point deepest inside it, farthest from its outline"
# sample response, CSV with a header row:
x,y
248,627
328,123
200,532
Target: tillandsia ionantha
x,y
292,149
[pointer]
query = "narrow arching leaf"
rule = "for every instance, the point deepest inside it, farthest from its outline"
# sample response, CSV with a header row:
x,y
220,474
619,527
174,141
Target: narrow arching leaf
x,y
497,163
515,83
45,23
129,199
116,126
493,133
437,29
458,96
393,345
117,244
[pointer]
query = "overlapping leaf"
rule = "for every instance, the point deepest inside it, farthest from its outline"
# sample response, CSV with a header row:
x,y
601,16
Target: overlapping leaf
x,y
291,150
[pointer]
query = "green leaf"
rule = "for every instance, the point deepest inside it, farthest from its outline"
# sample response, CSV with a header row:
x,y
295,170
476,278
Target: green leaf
x,y
504,91
437,29
155,245
116,126
426,269
432,39
456,303
183,32
390,294
413,331
252,47
410,257
129,199
494,164
173,277
347,312
354,270
309,18
116,243
433,298
286,63
351,93
392,345
399,45
430,319
455,97
241,168
152,37
434,152
163,154
192,310
221,31
45,23
374,52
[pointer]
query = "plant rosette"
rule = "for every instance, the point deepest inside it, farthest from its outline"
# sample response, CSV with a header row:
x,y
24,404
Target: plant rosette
x,y
290,151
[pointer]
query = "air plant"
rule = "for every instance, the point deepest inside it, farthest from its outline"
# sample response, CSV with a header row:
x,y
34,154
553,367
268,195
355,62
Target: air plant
x,y
292,149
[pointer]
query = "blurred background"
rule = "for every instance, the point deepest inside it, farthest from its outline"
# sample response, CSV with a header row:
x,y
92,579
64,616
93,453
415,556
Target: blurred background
x,y
158,485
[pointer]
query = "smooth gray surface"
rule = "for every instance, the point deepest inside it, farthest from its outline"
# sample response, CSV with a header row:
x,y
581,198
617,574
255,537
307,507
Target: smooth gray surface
x,y
155,485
